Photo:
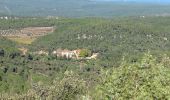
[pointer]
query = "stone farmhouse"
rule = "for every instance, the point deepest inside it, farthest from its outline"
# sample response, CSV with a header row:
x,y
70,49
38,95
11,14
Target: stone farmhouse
x,y
68,54
72,54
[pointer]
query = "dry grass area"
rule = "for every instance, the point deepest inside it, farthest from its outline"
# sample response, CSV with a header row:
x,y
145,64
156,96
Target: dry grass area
x,y
23,40
26,35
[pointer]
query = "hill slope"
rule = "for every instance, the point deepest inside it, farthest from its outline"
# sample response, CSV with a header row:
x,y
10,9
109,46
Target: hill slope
x,y
111,37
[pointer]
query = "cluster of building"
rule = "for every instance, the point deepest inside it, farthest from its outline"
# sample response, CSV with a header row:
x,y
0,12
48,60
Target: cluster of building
x,y
6,17
12,17
61,53
72,54
67,53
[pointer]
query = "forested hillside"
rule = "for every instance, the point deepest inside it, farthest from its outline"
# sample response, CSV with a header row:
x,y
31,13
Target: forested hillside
x,y
133,60
113,38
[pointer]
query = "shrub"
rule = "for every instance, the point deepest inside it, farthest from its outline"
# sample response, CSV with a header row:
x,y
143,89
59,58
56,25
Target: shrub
x,y
147,79
2,52
85,53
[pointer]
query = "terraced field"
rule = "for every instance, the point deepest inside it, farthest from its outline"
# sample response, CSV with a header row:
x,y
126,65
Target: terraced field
x,y
26,35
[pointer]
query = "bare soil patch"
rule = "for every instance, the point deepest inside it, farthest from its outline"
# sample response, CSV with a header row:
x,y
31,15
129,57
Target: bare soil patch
x,y
26,35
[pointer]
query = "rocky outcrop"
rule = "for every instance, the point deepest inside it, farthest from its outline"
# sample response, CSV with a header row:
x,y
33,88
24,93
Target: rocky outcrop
x,y
41,52
23,51
94,56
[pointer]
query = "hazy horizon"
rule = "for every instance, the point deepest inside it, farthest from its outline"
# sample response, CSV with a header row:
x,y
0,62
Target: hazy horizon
x,y
85,8
153,1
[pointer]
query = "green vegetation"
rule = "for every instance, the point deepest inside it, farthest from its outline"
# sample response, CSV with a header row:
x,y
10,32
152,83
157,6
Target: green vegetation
x,y
25,22
7,46
146,79
140,75
85,53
